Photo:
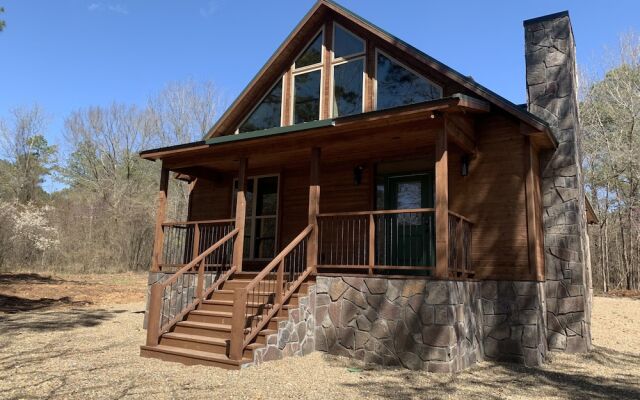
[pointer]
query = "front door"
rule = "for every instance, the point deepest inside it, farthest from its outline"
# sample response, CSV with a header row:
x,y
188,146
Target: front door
x,y
409,237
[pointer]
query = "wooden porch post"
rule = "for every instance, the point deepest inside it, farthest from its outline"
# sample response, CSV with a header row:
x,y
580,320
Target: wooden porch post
x,y
241,210
442,204
160,217
314,207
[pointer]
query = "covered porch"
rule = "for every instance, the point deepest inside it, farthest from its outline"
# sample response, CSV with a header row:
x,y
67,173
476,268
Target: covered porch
x,y
374,189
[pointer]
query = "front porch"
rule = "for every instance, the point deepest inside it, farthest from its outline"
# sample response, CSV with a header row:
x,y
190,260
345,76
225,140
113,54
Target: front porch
x,y
372,198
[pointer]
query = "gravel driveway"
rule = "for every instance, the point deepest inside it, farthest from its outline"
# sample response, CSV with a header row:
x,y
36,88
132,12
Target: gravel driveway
x,y
93,353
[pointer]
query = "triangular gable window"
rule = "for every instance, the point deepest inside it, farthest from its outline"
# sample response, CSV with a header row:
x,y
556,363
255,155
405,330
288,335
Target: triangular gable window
x,y
267,114
312,54
398,86
345,43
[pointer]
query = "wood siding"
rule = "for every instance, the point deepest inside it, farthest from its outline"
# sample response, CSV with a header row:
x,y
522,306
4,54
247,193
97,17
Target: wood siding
x,y
493,195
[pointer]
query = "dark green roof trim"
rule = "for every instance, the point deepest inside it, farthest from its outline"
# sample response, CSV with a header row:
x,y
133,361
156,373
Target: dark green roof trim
x,y
280,130
174,147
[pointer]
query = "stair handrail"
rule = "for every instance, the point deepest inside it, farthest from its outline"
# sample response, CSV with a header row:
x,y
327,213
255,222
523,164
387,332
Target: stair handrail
x,y
241,336
155,328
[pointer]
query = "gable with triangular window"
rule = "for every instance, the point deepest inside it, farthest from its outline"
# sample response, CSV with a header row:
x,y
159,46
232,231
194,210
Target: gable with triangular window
x,y
340,70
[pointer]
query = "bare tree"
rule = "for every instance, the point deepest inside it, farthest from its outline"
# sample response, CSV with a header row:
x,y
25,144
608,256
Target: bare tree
x,y
610,114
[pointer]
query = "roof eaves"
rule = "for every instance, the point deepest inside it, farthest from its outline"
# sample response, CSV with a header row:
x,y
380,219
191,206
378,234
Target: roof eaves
x,y
279,130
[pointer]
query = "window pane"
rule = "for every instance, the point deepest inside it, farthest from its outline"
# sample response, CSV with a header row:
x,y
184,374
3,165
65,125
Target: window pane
x,y
265,238
267,114
267,200
398,86
345,43
246,245
347,89
306,97
312,54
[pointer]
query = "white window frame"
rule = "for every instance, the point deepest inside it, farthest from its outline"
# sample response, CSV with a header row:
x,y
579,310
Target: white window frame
x,y
351,56
362,59
309,68
375,76
237,131
343,60
254,217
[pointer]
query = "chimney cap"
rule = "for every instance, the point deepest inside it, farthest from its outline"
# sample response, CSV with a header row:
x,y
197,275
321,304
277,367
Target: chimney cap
x,y
546,17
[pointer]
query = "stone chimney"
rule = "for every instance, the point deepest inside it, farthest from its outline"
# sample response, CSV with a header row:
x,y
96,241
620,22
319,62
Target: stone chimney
x,y
552,91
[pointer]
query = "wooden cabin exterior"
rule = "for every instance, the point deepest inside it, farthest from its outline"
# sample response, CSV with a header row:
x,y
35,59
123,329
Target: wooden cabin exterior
x,y
351,155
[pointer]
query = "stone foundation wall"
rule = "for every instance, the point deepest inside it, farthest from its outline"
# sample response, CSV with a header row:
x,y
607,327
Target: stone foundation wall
x,y
295,337
179,294
440,326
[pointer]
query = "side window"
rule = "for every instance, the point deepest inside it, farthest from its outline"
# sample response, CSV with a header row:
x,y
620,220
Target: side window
x,y
267,114
398,86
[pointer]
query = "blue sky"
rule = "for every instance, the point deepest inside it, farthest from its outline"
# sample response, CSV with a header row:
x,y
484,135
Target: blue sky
x,y
69,54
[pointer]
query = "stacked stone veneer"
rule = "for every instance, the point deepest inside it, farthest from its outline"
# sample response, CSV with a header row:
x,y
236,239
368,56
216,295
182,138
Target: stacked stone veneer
x,y
440,326
178,295
551,84
295,336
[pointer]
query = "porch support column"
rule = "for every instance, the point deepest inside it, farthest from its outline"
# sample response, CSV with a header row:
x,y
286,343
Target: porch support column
x,y
241,210
314,207
442,204
161,212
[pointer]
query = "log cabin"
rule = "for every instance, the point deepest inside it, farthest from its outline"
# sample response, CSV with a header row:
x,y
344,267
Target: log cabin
x,y
363,199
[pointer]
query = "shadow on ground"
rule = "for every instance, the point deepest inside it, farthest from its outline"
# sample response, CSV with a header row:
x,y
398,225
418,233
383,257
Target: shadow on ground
x,y
20,278
502,380
61,320
13,304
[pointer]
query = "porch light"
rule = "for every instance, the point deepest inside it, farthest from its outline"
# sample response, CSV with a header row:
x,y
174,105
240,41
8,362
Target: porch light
x,y
465,165
357,175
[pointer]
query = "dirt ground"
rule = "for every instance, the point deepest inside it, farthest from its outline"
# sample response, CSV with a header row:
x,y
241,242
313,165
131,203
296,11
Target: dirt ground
x,y
63,350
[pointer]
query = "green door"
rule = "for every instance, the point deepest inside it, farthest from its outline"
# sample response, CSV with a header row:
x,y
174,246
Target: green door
x,y
409,237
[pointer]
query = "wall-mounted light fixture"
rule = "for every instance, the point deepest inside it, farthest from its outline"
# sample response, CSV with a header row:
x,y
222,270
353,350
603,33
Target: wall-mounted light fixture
x,y
357,175
465,165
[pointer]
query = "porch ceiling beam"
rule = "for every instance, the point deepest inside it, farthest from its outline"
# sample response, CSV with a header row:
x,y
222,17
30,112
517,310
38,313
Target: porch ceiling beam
x,y
460,130
197,171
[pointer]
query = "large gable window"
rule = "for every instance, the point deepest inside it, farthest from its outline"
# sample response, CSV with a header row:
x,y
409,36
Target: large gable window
x,y
348,72
267,114
397,85
307,80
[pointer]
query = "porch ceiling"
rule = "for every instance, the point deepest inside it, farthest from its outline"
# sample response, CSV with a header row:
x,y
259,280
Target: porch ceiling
x,y
375,135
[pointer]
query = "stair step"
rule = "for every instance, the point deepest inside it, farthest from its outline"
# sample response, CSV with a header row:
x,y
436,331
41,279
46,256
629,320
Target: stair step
x,y
203,343
219,331
228,294
191,357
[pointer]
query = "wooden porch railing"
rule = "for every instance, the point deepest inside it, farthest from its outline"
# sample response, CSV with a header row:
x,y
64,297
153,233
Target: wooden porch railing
x,y
460,228
387,240
264,296
168,305
183,241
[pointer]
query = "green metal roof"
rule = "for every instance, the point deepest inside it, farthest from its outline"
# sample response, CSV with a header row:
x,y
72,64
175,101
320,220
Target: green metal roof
x,y
279,130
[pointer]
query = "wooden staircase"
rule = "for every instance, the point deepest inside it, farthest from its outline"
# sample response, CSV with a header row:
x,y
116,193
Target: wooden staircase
x,y
203,336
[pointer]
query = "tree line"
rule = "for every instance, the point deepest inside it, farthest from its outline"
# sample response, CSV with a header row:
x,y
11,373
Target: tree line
x,y
610,117
102,218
